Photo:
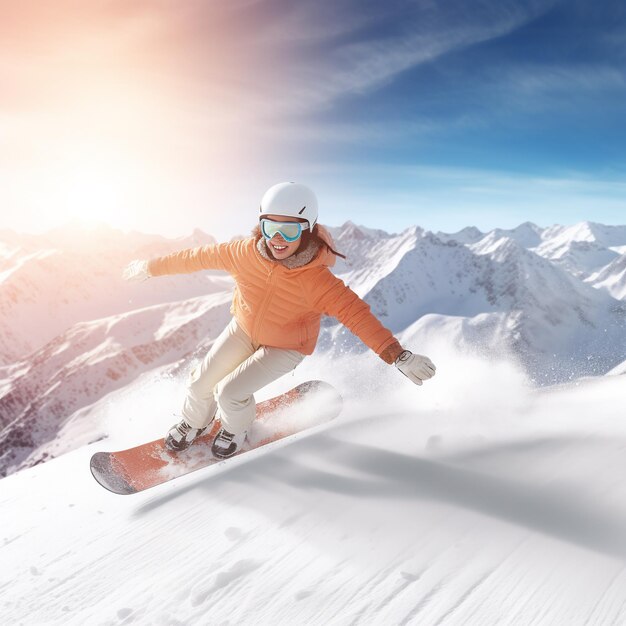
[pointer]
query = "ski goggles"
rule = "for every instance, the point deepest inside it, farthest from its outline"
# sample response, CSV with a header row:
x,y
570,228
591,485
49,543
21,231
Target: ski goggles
x,y
289,231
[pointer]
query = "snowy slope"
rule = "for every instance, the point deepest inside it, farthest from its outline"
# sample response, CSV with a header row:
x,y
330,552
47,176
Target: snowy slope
x,y
619,369
51,390
612,278
497,505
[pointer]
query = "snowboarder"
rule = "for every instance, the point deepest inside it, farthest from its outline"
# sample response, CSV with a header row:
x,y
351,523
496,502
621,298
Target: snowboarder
x,y
283,286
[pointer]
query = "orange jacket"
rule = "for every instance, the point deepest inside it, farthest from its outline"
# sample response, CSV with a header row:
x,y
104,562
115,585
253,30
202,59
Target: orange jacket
x,y
281,307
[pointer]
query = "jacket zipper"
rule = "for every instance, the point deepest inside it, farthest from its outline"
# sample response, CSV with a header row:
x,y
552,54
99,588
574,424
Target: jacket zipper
x,y
264,306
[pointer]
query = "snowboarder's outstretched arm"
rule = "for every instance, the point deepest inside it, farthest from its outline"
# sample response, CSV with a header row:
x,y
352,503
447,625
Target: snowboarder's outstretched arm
x,y
332,296
211,257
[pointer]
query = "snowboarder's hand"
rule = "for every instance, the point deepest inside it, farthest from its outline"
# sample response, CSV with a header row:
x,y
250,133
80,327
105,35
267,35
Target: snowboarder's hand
x,y
136,271
415,366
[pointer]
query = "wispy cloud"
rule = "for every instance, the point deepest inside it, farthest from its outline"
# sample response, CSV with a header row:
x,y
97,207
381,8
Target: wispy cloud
x,y
267,59
542,79
421,32
517,90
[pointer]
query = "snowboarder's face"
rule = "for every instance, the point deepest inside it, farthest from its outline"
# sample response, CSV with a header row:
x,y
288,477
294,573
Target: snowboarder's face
x,y
280,248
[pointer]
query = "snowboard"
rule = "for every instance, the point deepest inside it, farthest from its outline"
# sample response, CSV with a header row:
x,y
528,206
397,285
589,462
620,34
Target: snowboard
x,y
129,471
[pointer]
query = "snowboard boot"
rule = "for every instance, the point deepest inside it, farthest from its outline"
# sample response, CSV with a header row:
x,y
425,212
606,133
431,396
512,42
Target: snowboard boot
x,y
182,435
226,444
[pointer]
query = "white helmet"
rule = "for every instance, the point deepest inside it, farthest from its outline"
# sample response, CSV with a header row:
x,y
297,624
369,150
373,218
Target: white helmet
x,y
290,199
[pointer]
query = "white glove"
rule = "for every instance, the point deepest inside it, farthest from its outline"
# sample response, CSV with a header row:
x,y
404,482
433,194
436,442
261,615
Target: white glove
x,y
415,366
136,271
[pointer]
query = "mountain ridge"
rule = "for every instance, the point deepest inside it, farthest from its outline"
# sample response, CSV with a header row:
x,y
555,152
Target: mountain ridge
x,y
493,294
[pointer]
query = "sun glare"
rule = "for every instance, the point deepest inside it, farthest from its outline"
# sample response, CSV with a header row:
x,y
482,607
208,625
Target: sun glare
x,y
94,190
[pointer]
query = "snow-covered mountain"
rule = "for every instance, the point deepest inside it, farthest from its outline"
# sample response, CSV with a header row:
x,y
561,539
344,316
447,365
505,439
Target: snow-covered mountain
x,y
51,281
502,292
505,292
580,249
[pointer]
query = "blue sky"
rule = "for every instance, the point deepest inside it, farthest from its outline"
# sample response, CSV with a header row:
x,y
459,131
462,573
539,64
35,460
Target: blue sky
x,y
546,97
164,117
518,117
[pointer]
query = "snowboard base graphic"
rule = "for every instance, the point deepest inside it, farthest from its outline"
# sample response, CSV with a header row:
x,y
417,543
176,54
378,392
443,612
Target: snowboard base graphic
x,y
129,471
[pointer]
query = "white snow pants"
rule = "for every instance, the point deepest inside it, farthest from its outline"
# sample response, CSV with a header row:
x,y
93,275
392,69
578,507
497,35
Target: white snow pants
x,y
227,378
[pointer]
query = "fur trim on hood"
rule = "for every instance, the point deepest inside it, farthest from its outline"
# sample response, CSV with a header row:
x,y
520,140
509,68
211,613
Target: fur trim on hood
x,y
300,258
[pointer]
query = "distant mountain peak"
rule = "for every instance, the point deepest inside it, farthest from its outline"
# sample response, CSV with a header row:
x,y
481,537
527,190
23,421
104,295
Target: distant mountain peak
x,y
467,235
198,237
496,243
415,230
529,224
354,231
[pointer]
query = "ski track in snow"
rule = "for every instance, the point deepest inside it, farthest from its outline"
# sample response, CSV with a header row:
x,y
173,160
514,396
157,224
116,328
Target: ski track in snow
x,y
350,525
